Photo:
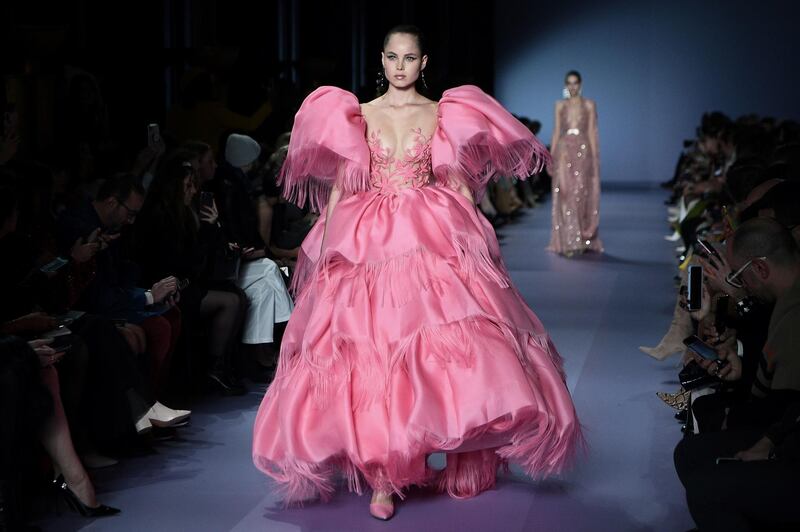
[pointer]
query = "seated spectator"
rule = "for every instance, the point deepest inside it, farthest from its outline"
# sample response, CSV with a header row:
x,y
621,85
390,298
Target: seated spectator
x,y
104,392
259,277
113,291
172,241
30,411
766,261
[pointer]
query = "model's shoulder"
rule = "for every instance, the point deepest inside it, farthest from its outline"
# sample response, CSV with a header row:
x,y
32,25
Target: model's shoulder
x,y
589,103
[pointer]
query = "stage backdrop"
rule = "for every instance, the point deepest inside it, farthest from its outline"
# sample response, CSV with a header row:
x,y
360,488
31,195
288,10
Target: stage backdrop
x,y
653,67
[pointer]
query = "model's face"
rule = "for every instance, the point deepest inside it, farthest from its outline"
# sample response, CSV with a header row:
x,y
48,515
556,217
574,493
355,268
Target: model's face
x,y
573,85
402,60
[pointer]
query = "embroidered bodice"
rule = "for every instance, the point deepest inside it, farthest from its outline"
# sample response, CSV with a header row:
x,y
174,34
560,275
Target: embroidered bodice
x,y
392,174
475,140
574,118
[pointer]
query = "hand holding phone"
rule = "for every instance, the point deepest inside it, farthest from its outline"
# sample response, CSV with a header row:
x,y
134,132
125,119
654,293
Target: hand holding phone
x,y
696,345
208,208
722,362
163,289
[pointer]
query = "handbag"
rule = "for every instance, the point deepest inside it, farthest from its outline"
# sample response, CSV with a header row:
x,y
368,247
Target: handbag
x,y
693,376
226,266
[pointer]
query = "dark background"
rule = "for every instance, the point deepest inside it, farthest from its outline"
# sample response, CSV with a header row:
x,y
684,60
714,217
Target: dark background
x,y
653,67
278,49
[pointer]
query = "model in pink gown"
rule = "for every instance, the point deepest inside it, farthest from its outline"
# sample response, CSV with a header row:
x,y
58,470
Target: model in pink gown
x,y
408,336
575,171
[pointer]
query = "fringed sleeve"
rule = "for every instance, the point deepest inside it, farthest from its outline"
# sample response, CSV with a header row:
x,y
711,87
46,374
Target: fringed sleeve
x,y
328,148
477,140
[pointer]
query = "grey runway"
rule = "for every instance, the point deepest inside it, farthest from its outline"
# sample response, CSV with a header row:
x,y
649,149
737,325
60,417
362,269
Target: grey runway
x,y
598,309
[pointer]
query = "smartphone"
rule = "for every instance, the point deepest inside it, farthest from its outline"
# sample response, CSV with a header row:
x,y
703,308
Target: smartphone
x,y
726,460
720,313
694,292
708,248
153,135
54,265
206,199
701,348
64,322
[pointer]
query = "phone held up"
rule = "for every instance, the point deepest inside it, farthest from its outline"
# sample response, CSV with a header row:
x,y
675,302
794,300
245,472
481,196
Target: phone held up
x,y
694,293
153,135
708,249
206,199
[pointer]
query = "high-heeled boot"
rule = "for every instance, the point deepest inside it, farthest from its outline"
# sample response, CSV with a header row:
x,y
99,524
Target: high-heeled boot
x,y
672,342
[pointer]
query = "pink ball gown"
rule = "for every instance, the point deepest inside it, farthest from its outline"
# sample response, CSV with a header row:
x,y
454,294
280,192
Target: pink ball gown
x,y
408,336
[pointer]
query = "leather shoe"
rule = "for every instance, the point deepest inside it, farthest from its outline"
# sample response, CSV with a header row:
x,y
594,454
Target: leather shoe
x,y
162,416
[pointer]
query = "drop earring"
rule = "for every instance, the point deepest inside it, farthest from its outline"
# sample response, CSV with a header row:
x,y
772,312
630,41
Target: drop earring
x,y
380,82
424,84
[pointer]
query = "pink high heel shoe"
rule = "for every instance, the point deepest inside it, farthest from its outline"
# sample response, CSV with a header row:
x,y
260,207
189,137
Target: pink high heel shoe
x,y
381,510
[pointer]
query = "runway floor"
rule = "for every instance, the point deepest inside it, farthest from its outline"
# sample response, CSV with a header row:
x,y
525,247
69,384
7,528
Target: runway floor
x,y
598,309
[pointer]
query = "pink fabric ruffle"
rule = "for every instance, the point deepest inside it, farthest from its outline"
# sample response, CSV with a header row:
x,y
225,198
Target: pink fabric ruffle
x,y
478,140
408,338
327,149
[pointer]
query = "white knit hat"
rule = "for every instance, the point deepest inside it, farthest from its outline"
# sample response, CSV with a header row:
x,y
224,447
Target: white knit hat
x,y
241,150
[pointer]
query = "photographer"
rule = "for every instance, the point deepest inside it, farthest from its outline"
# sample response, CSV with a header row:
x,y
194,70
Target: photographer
x,y
766,263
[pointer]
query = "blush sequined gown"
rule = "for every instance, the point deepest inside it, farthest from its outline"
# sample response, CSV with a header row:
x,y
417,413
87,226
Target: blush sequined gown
x,y
407,336
575,172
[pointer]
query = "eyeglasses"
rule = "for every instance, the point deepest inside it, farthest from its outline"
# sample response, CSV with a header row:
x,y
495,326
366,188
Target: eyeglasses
x,y
131,213
733,277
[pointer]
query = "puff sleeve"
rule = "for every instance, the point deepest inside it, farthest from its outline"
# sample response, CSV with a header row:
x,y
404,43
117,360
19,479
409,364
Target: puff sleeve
x,y
328,148
477,140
